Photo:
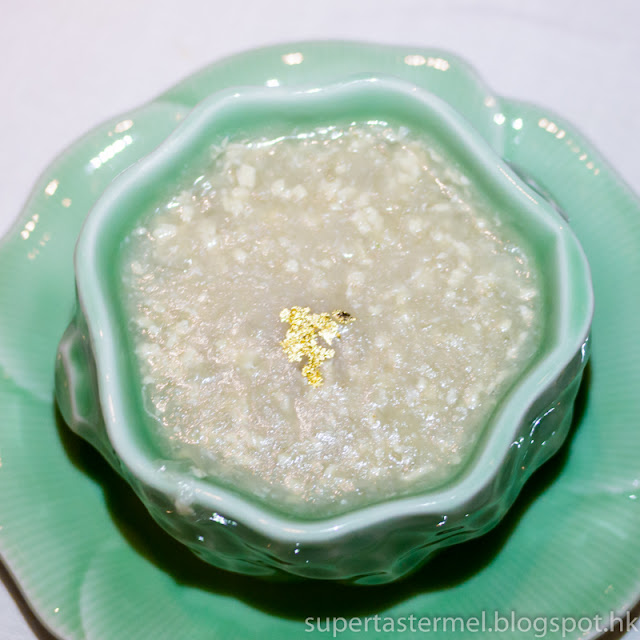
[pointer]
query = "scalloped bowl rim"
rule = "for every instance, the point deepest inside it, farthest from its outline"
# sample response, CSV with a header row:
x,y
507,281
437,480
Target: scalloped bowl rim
x,y
204,492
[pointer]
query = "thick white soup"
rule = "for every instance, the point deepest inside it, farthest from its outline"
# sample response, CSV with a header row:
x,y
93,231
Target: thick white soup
x,y
415,310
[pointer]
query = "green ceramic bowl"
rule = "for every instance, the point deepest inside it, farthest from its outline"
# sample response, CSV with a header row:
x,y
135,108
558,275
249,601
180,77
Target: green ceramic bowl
x,y
100,398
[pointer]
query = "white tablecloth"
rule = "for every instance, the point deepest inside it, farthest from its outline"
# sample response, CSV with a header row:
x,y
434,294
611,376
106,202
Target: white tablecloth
x,y
69,64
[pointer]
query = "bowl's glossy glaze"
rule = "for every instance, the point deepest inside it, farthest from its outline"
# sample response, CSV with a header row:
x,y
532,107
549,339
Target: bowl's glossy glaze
x,y
96,390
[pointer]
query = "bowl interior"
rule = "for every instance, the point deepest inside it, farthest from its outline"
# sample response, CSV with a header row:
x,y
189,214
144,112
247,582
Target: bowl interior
x,y
256,112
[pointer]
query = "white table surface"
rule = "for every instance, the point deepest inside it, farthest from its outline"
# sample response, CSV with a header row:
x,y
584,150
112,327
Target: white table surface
x,y
69,64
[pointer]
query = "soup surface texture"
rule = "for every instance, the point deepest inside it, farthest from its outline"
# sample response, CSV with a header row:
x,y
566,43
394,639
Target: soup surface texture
x,y
438,309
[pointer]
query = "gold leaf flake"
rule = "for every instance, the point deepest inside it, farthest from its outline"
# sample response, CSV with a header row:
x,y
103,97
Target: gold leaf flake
x,y
301,340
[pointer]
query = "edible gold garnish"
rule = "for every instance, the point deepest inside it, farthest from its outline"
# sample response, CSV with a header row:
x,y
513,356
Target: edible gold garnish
x,y
301,339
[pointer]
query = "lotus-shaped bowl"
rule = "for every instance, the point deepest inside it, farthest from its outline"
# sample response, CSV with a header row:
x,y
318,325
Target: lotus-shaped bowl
x,y
100,397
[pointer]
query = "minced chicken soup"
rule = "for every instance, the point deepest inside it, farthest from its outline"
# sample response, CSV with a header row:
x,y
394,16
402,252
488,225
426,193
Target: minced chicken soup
x,y
327,320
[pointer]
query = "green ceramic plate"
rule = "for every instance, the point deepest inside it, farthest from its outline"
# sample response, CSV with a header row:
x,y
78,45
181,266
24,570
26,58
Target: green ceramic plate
x,y
92,563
